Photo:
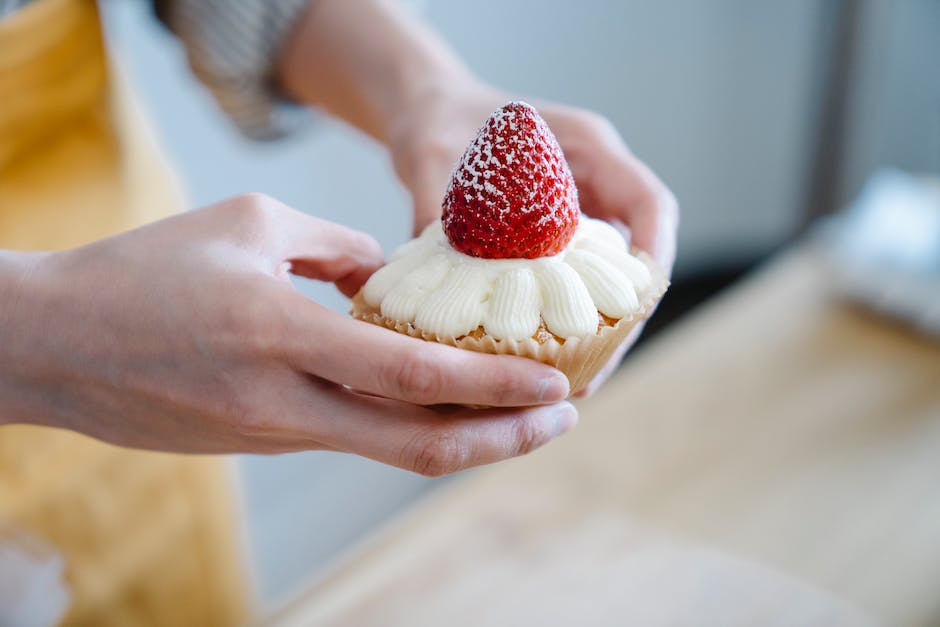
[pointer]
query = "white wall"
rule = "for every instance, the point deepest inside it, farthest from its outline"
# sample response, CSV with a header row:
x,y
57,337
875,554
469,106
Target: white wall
x,y
894,113
716,95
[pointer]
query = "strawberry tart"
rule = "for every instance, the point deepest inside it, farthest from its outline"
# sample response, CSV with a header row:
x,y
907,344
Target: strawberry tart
x,y
513,266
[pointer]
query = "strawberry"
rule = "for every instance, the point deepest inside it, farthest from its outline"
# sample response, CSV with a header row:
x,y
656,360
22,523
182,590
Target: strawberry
x,y
511,195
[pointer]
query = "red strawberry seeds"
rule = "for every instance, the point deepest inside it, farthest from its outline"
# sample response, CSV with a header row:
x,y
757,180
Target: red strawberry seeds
x,y
512,193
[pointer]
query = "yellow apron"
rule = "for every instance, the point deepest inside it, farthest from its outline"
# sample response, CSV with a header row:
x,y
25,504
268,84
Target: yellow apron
x,y
148,538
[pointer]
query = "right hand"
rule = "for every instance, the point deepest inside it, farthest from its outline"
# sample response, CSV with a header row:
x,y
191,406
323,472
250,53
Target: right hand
x,y
186,335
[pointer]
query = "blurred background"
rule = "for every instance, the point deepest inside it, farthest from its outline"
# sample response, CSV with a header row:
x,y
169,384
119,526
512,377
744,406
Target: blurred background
x,y
759,116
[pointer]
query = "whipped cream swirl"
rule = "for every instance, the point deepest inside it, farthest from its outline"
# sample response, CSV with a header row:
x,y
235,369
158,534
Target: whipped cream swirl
x,y
442,291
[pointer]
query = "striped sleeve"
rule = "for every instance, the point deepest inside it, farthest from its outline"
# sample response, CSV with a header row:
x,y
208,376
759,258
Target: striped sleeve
x,y
232,46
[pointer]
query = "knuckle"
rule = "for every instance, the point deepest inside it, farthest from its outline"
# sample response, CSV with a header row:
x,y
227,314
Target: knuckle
x,y
254,204
257,200
255,210
528,435
249,411
255,327
415,378
262,328
234,408
366,246
371,245
596,123
504,387
253,423
436,453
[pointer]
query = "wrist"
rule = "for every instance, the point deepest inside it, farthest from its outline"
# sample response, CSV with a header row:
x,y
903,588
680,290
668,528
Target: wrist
x,y
19,313
435,100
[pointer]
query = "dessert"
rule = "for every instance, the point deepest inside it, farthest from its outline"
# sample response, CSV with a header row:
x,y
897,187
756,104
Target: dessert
x,y
513,267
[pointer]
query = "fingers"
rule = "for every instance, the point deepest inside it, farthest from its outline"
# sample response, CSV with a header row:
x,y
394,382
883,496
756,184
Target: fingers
x,y
615,184
629,191
314,248
299,412
654,219
431,442
326,251
379,361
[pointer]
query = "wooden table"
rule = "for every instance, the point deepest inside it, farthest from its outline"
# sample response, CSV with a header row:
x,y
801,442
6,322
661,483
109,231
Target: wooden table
x,y
773,460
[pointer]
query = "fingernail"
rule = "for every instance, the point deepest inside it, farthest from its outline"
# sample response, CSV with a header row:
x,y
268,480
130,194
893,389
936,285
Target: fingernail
x,y
553,388
565,417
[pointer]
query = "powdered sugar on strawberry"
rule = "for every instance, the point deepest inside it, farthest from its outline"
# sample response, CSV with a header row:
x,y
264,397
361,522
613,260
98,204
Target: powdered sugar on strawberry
x,y
511,195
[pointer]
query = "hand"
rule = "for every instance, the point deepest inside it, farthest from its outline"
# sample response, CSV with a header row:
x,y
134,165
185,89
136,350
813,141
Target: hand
x,y
612,183
186,335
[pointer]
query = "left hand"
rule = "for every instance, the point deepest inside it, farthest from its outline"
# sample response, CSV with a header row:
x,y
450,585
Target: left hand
x,y
613,184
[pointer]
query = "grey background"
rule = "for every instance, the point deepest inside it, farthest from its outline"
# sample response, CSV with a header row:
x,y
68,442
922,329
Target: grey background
x,y
721,98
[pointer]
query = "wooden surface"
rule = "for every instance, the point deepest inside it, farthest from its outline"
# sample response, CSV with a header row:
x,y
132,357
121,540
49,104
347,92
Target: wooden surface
x,y
774,460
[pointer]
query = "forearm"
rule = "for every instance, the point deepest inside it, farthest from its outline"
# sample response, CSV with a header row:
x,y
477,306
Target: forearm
x,y
365,61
